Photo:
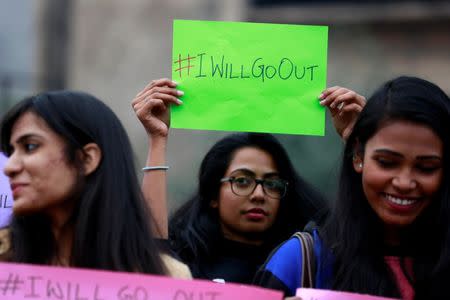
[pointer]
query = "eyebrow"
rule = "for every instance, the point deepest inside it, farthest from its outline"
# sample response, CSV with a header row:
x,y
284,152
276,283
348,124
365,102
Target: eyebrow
x,y
421,157
24,137
250,172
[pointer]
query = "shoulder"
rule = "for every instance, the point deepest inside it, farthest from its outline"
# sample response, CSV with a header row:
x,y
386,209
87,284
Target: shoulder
x,y
176,268
282,269
282,257
5,242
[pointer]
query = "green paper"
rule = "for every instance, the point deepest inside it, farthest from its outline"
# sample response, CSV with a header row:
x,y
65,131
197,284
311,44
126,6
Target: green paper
x,y
252,77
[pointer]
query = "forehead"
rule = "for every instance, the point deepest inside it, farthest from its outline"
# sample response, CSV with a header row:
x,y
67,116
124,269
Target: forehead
x,y
28,124
407,138
253,159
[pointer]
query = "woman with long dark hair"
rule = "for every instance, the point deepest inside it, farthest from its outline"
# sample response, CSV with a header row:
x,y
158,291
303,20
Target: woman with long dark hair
x,y
77,201
388,233
249,196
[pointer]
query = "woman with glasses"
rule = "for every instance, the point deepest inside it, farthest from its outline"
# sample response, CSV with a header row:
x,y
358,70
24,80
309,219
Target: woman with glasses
x,y
249,196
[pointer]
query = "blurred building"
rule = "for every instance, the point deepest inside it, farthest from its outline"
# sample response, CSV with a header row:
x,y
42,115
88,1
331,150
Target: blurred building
x,y
112,48
17,50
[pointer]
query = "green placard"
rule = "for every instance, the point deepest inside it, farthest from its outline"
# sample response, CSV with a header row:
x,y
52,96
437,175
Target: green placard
x,y
253,77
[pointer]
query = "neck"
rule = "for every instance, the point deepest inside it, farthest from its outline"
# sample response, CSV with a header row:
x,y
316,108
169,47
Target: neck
x,y
254,239
392,235
63,231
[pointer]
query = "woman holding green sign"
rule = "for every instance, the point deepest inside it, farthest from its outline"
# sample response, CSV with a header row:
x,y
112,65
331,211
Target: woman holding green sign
x,y
249,196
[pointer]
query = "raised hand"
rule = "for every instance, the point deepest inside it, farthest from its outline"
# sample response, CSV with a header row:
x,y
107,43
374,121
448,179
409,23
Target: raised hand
x,y
152,106
345,106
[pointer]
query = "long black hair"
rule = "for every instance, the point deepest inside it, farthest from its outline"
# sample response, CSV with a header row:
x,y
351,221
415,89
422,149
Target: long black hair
x,y
194,228
111,221
353,231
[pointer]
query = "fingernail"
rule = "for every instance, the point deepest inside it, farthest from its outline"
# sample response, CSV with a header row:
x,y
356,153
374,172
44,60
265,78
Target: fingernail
x,y
180,93
174,82
322,102
332,105
179,101
321,96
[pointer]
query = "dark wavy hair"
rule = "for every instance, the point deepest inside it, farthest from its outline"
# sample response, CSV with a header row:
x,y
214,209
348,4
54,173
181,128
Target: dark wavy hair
x,y
194,228
353,231
111,222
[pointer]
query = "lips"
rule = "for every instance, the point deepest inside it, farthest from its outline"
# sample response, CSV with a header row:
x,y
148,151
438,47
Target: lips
x,y
16,187
257,211
401,202
255,214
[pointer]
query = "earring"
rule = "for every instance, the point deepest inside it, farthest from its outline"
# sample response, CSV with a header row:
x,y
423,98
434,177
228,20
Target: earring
x,y
360,165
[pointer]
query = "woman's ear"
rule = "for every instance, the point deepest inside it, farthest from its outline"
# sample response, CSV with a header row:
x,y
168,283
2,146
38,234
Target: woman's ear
x,y
92,155
358,157
214,204
357,163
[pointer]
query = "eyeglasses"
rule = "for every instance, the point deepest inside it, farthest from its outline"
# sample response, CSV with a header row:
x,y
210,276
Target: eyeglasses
x,y
245,186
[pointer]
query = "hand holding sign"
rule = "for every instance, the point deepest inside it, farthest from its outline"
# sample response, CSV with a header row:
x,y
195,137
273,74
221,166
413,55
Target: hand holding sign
x,y
250,77
152,106
345,106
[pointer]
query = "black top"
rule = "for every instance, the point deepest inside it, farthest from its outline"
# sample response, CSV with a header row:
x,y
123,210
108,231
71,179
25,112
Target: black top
x,y
232,262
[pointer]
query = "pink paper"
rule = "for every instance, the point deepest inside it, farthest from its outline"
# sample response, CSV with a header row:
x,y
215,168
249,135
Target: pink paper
x,y
315,294
6,200
38,282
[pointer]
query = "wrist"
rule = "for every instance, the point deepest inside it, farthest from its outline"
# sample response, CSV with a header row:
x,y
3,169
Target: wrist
x,y
157,154
158,141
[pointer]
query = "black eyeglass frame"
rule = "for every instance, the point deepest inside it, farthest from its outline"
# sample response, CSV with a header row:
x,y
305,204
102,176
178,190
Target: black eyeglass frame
x,y
232,179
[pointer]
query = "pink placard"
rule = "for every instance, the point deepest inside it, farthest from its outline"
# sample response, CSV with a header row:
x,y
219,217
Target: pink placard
x,y
315,294
19,281
6,200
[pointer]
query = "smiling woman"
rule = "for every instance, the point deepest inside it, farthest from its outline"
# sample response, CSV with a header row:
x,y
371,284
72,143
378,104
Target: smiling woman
x,y
401,171
42,180
399,150
76,197
388,233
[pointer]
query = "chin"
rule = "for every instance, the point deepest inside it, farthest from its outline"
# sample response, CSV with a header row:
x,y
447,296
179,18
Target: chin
x,y
23,211
257,230
399,222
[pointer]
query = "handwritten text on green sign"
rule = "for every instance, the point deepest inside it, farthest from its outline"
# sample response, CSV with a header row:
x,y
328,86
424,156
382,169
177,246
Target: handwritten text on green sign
x,y
240,76
203,65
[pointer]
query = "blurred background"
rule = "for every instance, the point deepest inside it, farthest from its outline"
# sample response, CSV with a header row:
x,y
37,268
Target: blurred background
x,y
112,48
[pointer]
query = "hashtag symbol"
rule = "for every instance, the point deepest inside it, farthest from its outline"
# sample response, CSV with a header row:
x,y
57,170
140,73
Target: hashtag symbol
x,y
11,285
184,64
